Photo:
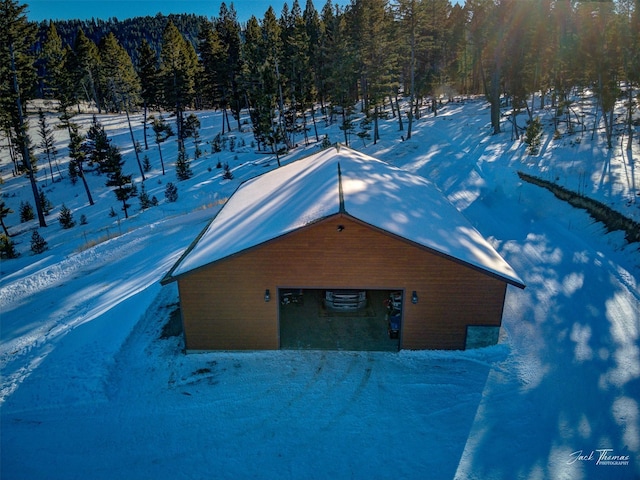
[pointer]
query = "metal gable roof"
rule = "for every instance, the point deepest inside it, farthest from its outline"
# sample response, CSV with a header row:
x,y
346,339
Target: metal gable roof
x,y
342,180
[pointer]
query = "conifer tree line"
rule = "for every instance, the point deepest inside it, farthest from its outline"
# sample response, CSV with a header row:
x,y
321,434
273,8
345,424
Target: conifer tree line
x,y
395,56
282,66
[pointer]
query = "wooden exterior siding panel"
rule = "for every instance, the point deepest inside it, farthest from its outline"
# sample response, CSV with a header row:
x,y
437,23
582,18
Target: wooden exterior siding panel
x,y
220,314
223,303
443,314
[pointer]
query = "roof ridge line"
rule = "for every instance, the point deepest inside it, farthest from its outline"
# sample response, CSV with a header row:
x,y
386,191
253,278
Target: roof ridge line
x,y
340,192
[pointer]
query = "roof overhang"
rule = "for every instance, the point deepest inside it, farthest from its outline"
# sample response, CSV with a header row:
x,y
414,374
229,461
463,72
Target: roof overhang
x,y
342,181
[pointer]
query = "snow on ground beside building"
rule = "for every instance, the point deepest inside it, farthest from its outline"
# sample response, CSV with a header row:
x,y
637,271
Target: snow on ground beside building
x,y
94,386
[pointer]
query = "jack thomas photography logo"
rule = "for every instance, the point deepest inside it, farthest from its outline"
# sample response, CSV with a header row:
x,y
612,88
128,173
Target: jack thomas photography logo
x,y
602,456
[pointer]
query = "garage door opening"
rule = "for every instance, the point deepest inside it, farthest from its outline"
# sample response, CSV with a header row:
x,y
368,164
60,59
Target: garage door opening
x,y
338,319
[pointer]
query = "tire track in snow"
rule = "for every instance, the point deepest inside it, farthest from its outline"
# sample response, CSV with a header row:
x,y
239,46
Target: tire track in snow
x,y
89,274
57,273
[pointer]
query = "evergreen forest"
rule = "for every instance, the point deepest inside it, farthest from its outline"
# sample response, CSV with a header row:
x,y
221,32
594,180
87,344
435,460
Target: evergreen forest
x,y
402,55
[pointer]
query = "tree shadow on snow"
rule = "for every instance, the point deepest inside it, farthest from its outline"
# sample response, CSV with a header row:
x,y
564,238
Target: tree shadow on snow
x,y
575,386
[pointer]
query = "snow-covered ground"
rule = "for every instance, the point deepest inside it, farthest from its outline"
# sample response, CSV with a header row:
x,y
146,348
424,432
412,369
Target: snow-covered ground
x,y
91,388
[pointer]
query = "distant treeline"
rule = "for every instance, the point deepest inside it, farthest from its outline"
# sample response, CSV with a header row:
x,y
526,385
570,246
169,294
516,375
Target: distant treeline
x,y
129,32
284,66
373,52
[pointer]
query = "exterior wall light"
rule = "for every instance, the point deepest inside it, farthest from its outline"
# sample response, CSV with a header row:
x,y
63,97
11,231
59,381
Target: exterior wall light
x,y
414,297
267,295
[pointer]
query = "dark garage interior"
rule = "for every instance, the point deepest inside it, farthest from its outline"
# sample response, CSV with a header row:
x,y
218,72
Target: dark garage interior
x,y
333,319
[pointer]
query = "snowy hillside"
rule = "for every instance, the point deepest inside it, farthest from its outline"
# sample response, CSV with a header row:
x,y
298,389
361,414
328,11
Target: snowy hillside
x,y
94,383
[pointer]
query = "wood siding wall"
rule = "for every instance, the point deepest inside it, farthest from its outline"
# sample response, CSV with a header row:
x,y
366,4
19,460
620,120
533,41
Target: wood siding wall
x,y
223,305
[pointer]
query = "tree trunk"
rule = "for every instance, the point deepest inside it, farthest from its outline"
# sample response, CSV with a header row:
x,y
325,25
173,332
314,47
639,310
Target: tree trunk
x,y
161,160
50,166
494,100
144,123
133,139
4,227
401,125
315,126
224,113
630,116
608,123
376,132
124,207
24,142
86,186
344,124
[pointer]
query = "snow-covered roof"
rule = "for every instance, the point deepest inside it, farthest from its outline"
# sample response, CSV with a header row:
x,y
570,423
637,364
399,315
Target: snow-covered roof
x,y
342,180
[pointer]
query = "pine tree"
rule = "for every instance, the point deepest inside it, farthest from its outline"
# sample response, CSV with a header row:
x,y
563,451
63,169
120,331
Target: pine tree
x,y
120,83
230,68
273,80
410,19
66,217
323,57
486,32
162,130
460,68
4,211
7,247
178,69
53,60
212,55
78,157
171,192
314,32
26,212
145,201
377,59
47,143
299,85
147,68
96,143
183,168
66,91
84,66
227,174
124,187
118,78
259,97
630,26
38,244
520,74
532,136
17,79
45,203
262,81
341,73
192,129
73,171
599,49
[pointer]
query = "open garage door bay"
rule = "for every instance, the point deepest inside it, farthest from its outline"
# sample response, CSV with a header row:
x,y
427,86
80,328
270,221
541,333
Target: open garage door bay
x,y
339,319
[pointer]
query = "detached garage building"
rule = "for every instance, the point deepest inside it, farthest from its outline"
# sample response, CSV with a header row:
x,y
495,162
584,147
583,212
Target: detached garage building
x,y
337,224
